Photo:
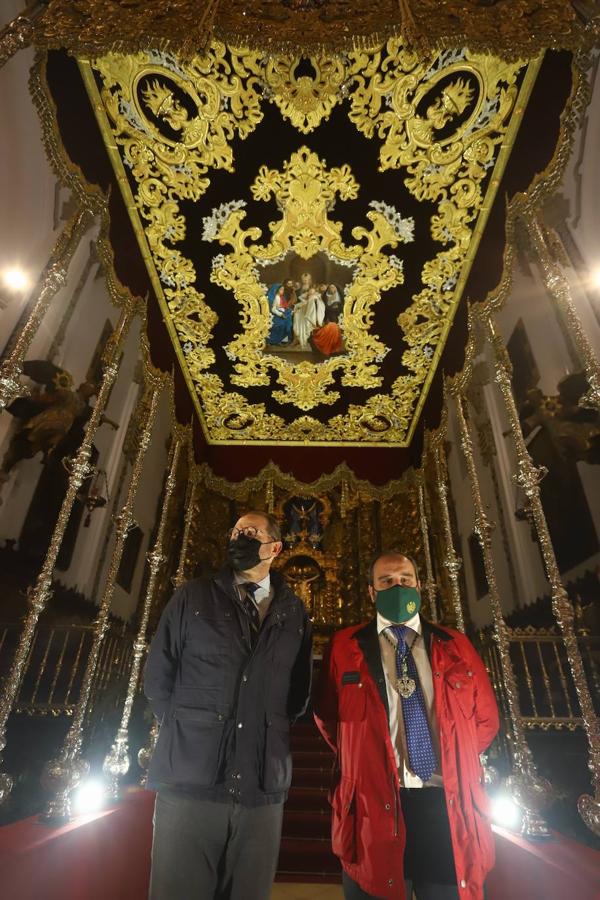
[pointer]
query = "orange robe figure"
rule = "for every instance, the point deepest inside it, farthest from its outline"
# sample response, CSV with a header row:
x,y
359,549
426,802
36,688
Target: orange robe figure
x,y
328,339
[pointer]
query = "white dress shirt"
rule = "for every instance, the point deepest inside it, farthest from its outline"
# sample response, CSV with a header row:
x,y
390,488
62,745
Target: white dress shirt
x,y
388,660
262,595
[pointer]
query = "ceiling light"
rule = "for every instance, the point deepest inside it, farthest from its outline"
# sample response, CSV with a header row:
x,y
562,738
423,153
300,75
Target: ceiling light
x,y
89,797
505,812
15,278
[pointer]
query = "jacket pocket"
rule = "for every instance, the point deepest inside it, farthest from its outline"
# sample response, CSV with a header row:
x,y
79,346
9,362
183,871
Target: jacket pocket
x,y
343,827
196,739
352,702
205,699
277,760
459,682
208,636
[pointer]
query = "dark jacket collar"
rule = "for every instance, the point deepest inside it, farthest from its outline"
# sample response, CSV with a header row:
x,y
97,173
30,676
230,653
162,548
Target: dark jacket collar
x,y
430,629
368,642
281,590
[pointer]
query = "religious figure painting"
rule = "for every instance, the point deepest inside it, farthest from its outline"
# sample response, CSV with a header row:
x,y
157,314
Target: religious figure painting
x,y
306,303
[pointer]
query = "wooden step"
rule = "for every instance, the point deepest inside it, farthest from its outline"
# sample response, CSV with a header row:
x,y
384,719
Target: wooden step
x,y
316,758
304,822
307,855
312,777
309,798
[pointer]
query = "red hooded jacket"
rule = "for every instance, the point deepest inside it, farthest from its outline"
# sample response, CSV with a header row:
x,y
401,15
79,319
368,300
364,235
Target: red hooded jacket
x,y
351,712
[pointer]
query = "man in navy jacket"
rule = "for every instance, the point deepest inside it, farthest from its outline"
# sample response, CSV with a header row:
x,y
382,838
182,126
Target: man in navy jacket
x,y
228,670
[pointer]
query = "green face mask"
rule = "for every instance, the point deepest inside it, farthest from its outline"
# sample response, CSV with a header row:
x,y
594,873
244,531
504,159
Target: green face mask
x,y
398,603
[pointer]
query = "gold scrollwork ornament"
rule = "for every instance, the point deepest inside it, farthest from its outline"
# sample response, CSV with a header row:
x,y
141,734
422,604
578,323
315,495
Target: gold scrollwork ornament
x,y
305,191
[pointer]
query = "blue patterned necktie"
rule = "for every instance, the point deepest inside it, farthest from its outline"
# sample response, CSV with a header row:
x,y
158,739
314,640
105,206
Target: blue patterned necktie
x,y
421,754
250,587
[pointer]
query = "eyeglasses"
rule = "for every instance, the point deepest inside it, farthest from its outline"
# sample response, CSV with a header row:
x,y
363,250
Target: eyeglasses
x,y
250,531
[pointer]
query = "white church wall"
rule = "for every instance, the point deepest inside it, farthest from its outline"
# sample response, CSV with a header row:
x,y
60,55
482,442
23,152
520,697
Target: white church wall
x,y
581,182
93,308
27,237
29,226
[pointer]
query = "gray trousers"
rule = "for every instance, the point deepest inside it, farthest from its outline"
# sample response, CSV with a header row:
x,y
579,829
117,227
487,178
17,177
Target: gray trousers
x,y
213,851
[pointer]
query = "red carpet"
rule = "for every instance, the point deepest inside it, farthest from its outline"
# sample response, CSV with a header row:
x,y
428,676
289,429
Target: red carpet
x,y
106,856
559,869
305,849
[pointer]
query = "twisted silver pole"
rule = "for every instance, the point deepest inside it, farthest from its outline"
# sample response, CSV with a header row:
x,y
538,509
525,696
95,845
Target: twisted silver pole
x,y
530,790
117,761
528,477
452,561
429,585
62,774
39,594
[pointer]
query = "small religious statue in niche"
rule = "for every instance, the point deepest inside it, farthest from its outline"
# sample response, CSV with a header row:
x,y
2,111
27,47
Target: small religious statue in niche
x,y
306,308
306,576
303,517
51,420
573,427
560,433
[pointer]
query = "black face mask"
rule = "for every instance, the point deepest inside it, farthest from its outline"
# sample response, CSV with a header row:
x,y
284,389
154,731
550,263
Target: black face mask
x,y
244,553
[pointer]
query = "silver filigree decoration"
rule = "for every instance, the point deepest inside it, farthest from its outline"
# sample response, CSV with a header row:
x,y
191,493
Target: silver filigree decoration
x,y
404,228
212,224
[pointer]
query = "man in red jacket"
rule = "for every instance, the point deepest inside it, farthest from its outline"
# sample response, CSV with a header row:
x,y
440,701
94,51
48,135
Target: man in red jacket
x,y
407,707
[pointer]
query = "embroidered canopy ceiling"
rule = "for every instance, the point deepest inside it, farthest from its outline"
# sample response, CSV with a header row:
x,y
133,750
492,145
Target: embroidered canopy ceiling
x,y
315,199
309,224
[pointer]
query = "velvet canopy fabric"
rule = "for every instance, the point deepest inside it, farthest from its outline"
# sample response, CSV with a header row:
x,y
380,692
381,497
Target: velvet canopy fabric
x,y
533,150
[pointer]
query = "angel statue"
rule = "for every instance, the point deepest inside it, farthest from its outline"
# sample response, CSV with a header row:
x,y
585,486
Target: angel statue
x,y
573,428
51,420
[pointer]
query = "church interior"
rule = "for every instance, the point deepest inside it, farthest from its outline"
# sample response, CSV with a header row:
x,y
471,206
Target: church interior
x,y
335,261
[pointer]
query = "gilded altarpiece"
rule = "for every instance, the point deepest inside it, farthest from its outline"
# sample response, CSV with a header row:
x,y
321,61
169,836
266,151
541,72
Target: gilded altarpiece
x,y
331,530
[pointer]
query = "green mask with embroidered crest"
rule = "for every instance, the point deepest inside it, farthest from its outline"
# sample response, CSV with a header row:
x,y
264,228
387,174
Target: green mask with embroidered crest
x,y
398,603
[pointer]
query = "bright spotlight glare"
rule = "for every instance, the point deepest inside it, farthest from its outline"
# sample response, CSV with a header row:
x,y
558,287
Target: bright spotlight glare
x,y
596,277
89,797
15,278
505,812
